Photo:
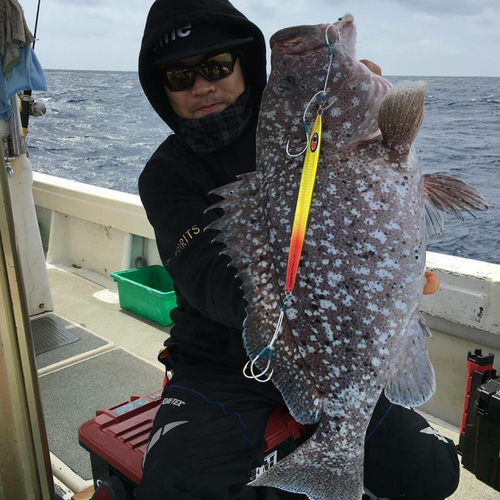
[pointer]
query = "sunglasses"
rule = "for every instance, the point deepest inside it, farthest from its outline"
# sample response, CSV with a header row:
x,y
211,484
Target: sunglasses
x,y
213,68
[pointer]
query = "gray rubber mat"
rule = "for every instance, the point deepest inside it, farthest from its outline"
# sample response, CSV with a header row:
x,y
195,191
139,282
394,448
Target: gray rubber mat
x,y
72,395
56,339
49,333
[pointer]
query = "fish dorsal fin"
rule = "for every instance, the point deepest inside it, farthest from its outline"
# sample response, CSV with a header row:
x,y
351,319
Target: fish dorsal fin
x,y
443,193
401,113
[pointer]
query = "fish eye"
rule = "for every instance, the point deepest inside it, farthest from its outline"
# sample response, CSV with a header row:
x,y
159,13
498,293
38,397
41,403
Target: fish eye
x,y
285,84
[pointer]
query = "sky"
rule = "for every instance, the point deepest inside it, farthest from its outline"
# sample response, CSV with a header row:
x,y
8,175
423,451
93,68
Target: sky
x,y
405,37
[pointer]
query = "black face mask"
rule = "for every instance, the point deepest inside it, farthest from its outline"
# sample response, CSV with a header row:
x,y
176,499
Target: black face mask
x,y
213,132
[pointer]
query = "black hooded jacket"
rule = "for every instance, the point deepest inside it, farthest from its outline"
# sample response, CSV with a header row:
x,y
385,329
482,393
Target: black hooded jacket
x,y
174,189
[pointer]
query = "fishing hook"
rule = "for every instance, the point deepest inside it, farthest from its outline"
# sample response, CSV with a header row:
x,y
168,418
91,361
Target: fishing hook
x,y
323,99
305,147
305,127
269,349
258,377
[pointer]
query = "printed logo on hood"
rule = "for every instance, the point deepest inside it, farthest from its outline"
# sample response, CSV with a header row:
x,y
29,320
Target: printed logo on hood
x,y
172,36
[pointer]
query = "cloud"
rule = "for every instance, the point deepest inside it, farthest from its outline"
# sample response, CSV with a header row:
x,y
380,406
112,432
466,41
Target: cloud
x,y
84,3
433,45
451,7
420,37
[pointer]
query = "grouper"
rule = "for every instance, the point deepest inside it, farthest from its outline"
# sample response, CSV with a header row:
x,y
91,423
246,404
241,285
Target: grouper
x,y
351,327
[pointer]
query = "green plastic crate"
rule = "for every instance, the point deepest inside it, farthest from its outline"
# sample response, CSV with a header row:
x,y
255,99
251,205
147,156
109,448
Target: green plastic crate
x,y
147,291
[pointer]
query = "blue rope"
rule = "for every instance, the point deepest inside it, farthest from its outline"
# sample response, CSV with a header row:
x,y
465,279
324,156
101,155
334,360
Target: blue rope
x,y
218,403
378,425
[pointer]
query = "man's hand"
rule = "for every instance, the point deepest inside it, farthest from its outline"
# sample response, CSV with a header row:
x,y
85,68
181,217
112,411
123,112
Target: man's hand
x,y
431,283
375,68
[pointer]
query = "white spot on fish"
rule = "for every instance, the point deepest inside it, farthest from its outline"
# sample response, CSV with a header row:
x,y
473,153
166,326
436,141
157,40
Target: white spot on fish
x,y
379,235
400,305
388,262
373,286
327,304
383,273
355,101
392,225
334,279
348,300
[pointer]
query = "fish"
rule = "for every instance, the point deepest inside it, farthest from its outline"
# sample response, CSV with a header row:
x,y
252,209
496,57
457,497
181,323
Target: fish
x,y
352,327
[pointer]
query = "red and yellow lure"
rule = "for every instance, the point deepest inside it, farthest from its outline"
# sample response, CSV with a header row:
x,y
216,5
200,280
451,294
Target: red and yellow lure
x,y
303,207
302,210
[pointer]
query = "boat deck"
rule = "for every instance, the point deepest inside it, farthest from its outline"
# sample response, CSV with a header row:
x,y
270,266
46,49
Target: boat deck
x,y
114,359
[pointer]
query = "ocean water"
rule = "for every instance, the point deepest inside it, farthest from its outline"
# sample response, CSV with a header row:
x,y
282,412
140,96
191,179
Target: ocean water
x,y
101,130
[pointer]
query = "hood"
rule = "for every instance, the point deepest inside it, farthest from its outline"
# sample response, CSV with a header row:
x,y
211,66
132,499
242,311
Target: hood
x,y
167,16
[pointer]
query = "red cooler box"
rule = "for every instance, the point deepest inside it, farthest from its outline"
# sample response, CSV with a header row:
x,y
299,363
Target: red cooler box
x,y
117,439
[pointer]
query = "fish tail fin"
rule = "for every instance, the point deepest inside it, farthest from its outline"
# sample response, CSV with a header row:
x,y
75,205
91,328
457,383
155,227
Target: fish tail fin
x,y
319,471
401,114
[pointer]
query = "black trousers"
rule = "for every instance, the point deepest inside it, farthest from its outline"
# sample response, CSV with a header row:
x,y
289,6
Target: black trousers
x,y
208,436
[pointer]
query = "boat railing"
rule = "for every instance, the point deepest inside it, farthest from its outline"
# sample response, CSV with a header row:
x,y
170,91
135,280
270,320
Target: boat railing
x,y
77,219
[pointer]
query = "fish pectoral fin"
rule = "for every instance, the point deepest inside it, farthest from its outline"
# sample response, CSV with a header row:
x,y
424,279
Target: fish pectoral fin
x,y
411,379
434,220
448,194
401,114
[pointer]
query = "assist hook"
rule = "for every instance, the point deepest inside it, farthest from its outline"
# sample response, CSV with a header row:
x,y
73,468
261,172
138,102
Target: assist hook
x,y
323,99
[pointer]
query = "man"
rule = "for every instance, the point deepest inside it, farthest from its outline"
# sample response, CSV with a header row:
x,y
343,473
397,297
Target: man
x,y
202,66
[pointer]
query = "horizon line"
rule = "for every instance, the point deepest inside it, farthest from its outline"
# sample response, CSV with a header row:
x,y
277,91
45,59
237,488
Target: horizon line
x,y
388,75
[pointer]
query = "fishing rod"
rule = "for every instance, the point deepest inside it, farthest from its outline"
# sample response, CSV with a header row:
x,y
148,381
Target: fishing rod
x,y
26,99
36,23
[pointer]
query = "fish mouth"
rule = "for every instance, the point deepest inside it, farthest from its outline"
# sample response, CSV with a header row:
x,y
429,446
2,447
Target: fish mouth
x,y
302,40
